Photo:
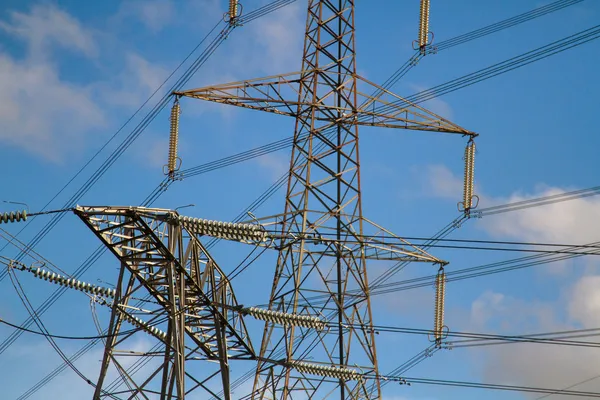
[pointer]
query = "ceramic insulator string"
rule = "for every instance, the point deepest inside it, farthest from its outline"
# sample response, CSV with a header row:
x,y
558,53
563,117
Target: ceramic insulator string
x,y
440,293
282,318
135,321
233,9
70,282
174,138
224,230
423,24
469,178
324,370
13,216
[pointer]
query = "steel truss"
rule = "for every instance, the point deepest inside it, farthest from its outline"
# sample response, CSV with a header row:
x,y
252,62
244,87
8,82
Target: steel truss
x,y
189,311
323,200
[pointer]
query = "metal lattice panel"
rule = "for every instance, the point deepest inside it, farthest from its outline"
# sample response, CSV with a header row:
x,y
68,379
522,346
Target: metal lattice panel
x,y
189,296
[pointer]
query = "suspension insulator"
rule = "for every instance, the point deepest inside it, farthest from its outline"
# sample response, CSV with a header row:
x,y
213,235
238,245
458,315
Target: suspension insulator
x,y
138,323
233,10
13,216
423,25
225,230
469,182
440,292
70,282
282,318
340,372
174,138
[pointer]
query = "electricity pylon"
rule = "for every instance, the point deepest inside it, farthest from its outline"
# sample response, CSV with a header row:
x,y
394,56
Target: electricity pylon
x,y
321,268
318,340
188,311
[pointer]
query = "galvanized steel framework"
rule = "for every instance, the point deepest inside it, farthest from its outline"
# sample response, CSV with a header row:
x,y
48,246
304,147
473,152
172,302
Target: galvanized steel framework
x,y
318,341
189,309
323,199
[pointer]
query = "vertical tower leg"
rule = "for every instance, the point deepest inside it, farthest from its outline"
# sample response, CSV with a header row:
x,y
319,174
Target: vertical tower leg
x,y
113,331
323,197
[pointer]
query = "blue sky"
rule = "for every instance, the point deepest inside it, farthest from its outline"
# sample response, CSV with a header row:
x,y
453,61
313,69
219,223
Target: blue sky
x,y
72,72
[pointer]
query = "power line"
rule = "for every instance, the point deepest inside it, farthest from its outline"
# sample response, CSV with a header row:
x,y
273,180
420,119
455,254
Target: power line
x,y
20,328
555,338
187,75
112,158
474,272
412,362
453,225
539,201
135,133
569,387
483,74
506,23
380,288
582,246
479,33
489,386
150,199
24,299
366,239
279,2
157,108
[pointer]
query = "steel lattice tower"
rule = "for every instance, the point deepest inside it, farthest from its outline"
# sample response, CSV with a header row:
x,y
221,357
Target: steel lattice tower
x,y
321,268
318,339
187,314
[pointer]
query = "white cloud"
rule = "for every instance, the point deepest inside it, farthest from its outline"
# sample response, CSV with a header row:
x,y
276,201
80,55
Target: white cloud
x,y
571,305
493,311
441,182
132,87
41,113
566,222
269,46
279,37
47,25
584,303
435,105
538,365
68,385
480,309
154,14
153,151
571,222
275,164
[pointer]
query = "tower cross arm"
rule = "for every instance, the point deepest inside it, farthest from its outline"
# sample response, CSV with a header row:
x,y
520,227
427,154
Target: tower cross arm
x,y
388,110
277,94
282,94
